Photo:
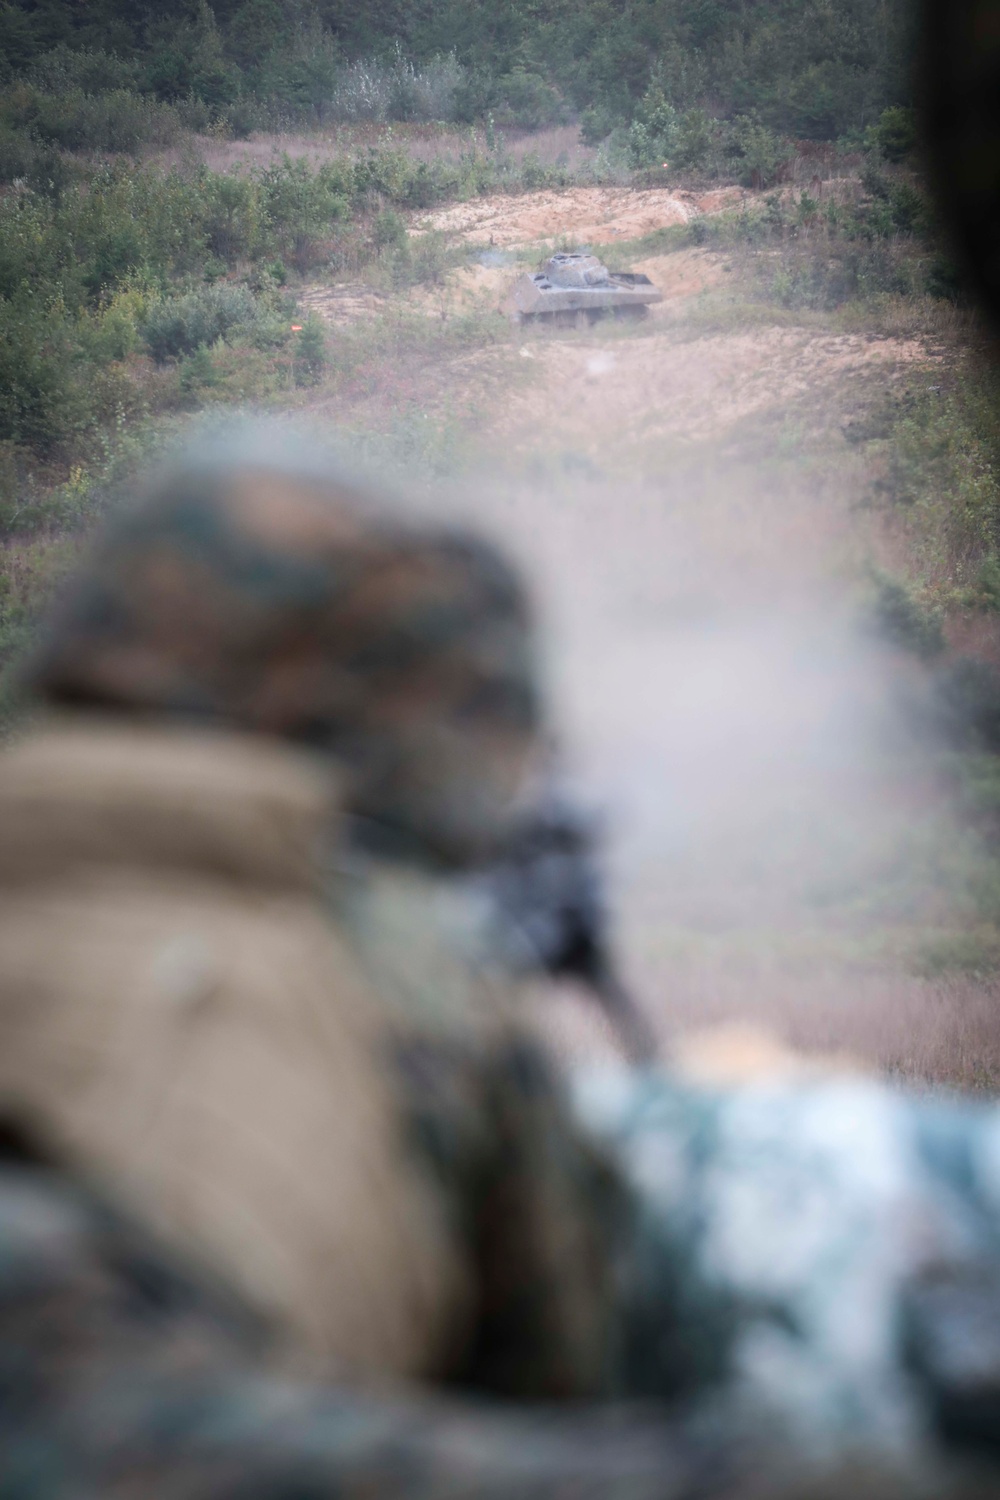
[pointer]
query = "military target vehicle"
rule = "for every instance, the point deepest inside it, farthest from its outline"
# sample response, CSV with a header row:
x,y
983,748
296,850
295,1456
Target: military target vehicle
x,y
572,286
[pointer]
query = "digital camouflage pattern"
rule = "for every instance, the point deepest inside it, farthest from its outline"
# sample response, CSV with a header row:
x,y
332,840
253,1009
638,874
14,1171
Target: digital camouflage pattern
x,y
821,1254
245,592
121,1375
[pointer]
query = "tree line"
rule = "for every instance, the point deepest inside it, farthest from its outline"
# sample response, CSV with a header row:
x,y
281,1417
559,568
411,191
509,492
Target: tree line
x,y
809,69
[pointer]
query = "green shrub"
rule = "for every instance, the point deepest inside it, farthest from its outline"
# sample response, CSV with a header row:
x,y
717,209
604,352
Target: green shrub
x,y
40,401
310,351
129,220
900,618
695,141
596,124
117,120
533,173
177,326
302,205
233,214
651,136
389,230
757,151
896,206
908,208
526,101
987,585
110,333
807,69
18,154
419,260
298,73
895,134
89,69
197,373
947,280
942,472
186,60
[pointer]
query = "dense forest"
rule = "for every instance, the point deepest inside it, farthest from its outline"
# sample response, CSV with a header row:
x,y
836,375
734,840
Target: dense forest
x,y
812,69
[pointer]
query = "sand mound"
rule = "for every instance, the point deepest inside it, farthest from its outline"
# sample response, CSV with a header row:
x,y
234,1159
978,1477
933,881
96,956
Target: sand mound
x,y
586,215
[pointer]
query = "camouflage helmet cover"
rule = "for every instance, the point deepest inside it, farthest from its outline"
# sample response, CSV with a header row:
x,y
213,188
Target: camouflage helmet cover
x,y
244,592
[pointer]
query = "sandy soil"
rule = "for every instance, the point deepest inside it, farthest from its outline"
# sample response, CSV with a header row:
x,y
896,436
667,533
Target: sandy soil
x,y
586,215
340,303
613,396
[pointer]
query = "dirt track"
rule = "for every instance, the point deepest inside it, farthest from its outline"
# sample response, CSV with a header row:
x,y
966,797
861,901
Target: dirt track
x,y
689,510
614,397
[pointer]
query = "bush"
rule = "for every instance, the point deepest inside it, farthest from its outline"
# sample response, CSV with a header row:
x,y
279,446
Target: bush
x,y
808,69
418,260
757,151
186,60
18,155
302,205
526,101
389,231
901,619
895,135
39,397
596,124
695,141
947,280
650,138
987,585
534,174
310,351
426,93
298,75
395,88
197,372
177,326
233,214
117,120
89,69
30,570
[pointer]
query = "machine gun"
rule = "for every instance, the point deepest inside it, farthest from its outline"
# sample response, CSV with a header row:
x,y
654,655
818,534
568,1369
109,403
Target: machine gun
x,y
550,915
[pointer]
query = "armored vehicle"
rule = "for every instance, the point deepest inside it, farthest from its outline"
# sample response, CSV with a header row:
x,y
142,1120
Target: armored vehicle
x,y
572,284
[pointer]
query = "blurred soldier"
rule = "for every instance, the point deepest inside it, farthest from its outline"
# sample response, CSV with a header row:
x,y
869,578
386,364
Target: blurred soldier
x,y
331,1147
318,1104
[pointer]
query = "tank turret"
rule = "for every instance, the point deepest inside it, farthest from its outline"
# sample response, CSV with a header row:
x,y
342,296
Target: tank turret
x,y
573,283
